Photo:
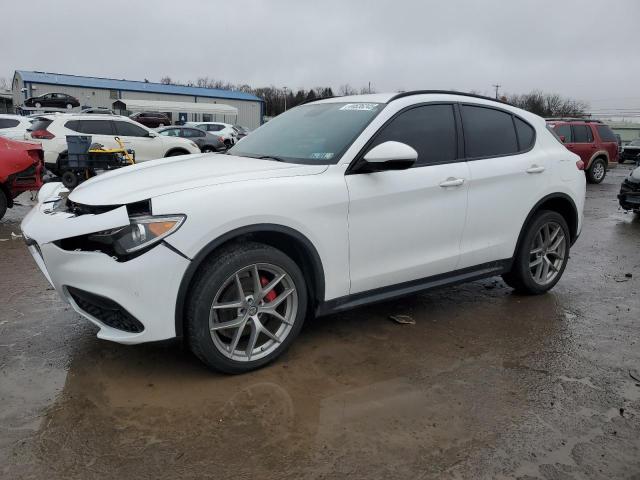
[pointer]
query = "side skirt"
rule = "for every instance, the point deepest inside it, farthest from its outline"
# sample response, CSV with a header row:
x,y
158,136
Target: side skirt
x,y
384,294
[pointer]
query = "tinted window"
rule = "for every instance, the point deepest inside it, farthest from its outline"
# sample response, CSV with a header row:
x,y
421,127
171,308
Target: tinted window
x,y
565,131
127,129
171,132
212,128
582,134
39,124
91,127
606,134
192,132
430,130
488,132
8,122
526,134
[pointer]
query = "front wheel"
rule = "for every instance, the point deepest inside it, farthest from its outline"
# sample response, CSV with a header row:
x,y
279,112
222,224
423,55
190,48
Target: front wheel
x,y
597,171
69,106
542,256
38,105
245,309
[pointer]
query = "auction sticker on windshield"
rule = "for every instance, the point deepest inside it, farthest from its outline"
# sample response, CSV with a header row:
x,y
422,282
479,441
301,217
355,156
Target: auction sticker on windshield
x,y
362,107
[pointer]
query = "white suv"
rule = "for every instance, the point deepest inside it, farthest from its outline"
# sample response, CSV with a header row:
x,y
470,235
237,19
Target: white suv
x,y
51,131
329,206
14,126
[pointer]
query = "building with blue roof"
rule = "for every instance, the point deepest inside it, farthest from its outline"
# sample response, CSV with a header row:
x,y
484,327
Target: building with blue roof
x,y
103,92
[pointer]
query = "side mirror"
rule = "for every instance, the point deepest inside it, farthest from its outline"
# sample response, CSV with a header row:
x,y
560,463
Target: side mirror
x,y
388,156
153,134
563,139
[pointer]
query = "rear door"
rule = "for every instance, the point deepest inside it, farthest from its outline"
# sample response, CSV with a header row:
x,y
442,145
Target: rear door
x,y
407,224
101,131
507,178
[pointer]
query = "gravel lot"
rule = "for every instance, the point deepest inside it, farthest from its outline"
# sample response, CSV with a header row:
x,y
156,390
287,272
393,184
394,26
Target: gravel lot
x,y
486,384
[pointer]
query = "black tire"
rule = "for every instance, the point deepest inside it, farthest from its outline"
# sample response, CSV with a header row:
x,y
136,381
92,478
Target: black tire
x,y
597,171
70,179
227,144
520,277
3,203
38,105
208,149
211,278
69,106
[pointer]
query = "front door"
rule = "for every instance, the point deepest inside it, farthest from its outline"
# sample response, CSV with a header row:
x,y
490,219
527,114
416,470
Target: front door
x,y
407,225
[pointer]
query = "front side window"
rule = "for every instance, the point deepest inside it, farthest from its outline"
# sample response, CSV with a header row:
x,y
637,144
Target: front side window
x,y
564,131
171,132
429,129
314,134
582,134
488,132
127,129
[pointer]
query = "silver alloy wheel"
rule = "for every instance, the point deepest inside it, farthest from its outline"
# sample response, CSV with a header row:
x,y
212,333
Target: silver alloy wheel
x,y
598,171
253,312
547,253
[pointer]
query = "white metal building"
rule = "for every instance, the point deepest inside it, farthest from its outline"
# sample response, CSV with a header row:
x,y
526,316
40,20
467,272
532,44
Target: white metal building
x,y
103,92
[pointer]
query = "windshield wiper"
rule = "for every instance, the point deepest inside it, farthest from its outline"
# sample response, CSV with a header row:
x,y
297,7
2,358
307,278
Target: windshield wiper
x,y
270,157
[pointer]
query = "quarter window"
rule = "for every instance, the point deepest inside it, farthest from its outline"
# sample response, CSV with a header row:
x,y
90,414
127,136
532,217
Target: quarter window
x,y
526,134
582,134
429,129
606,134
488,132
127,129
171,132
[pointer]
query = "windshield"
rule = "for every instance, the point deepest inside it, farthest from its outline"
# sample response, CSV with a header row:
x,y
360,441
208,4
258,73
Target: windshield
x,y
313,134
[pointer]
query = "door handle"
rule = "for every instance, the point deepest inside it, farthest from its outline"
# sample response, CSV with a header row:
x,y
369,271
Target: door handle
x,y
452,182
535,169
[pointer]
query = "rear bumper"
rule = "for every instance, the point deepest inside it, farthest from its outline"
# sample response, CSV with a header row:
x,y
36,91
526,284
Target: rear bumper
x,y
145,288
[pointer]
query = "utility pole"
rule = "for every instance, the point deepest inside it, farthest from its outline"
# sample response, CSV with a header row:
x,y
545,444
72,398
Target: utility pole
x,y
369,87
285,98
496,86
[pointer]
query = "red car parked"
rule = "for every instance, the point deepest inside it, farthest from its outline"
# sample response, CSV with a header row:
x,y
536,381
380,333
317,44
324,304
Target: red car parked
x,y
21,167
596,144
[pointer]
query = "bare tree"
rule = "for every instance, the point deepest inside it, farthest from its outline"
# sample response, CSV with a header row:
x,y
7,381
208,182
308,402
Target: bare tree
x,y
346,89
166,80
549,104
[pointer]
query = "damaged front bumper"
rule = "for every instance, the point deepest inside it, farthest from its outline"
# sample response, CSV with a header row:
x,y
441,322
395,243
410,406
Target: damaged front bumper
x,y
132,301
629,196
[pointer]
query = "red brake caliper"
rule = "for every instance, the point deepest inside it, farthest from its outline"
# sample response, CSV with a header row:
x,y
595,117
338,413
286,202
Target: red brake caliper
x,y
271,296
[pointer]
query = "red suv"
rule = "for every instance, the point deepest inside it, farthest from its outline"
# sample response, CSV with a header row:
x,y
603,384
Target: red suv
x,y
592,140
151,119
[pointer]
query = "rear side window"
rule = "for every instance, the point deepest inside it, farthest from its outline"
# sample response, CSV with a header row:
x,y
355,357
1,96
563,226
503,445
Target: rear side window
x,y
582,134
8,122
91,127
429,129
606,134
127,129
488,132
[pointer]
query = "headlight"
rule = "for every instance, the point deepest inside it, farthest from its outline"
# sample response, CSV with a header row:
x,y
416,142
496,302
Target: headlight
x,y
141,233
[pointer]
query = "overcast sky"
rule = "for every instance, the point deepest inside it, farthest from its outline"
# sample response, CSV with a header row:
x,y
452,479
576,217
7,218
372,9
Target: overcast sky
x,y
589,50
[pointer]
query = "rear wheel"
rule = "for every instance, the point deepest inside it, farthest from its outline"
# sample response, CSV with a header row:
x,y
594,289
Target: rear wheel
x,y
3,203
542,256
246,307
69,106
597,171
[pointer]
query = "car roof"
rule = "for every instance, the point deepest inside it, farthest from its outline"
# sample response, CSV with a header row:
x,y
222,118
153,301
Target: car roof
x,y
84,116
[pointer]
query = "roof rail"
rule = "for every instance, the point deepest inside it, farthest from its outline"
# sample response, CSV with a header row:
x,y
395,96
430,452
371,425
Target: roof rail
x,y
446,92
572,119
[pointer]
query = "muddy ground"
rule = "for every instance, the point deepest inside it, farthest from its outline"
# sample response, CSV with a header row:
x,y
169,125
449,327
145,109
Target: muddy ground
x,y
486,384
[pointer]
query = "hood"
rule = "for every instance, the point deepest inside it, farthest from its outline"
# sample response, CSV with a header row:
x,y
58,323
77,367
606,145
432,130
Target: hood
x,y
168,175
